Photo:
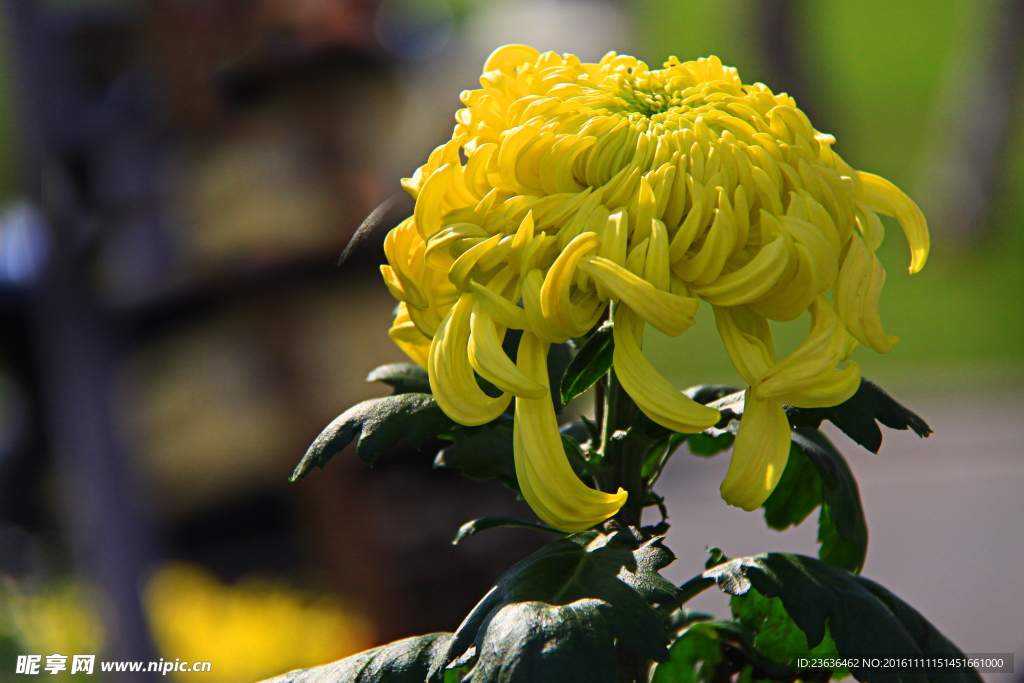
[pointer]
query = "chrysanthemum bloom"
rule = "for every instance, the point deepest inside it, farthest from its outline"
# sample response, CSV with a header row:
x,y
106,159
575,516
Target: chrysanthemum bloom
x,y
567,186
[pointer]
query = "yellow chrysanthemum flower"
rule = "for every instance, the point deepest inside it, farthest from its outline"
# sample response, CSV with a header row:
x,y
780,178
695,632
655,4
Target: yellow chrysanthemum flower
x,y
567,185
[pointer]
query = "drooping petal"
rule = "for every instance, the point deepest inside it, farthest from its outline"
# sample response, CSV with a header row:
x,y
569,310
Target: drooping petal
x,y
747,339
813,360
652,393
759,454
887,199
555,303
856,294
490,360
670,313
547,480
451,376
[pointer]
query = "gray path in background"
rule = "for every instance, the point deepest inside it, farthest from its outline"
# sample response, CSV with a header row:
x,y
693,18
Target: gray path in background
x,y
945,516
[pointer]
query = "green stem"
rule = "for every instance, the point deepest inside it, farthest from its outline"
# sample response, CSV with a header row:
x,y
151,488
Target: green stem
x,y
624,456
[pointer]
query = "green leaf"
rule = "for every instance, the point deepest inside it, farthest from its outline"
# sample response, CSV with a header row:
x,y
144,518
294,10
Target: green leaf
x,y
857,416
405,378
817,474
591,363
863,618
487,454
379,423
413,660
555,615
778,638
723,648
698,645
475,526
706,445
796,495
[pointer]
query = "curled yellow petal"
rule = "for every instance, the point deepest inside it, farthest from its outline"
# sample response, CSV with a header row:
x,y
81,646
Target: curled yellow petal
x,y
490,360
747,339
670,313
451,376
508,57
887,199
555,303
407,336
759,454
547,480
750,282
856,295
501,310
652,393
814,360
428,204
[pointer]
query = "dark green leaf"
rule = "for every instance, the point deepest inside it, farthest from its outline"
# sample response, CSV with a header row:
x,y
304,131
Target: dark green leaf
x,y
379,423
842,529
405,378
817,474
535,642
553,616
484,523
413,660
797,494
863,618
857,416
703,444
487,454
591,363
927,637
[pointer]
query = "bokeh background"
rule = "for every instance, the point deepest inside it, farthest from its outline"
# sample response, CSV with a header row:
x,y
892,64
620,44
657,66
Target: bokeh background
x,y
177,179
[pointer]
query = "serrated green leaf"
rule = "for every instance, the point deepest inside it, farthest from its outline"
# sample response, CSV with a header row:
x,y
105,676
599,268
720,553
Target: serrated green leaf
x,y
591,363
863,618
413,660
475,526
857,416
556,613
405,378
487,454
379,423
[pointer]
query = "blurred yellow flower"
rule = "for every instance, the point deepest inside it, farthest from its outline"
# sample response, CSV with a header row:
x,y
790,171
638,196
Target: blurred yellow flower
x,y
60,618
567,185
247,632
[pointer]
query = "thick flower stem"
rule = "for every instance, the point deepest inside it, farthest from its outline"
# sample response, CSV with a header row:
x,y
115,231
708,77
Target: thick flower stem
x,y
626,459
621,452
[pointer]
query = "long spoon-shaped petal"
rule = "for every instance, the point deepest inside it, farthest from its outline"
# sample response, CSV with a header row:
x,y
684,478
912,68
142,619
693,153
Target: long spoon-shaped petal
x,y
547,480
